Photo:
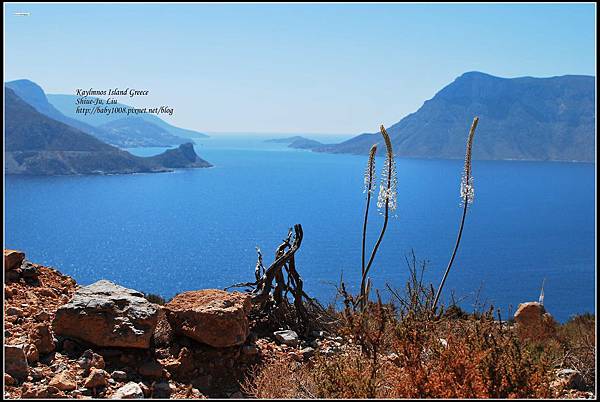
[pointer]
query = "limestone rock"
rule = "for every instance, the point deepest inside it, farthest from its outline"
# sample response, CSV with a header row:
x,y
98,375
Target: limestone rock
x,y
131,390
533,322
214,317
13,259
15,361
287,337
108,315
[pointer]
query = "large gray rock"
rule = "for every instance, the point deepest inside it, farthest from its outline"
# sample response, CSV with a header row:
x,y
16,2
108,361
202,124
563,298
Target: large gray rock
x,y
287,337
15,361
108,315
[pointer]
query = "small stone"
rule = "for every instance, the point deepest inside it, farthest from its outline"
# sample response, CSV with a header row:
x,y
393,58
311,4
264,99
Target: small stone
x,y
162,389
145,389
33,356
97,378
9,380
14,311
119,375
287,337
307,352
236,395
89,360
64,381
43,338
131,390
13,259
570,379
42,316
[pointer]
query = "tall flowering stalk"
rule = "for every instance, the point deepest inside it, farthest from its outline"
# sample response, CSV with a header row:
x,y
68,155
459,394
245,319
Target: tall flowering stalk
x,y
386,202
369,180
467,194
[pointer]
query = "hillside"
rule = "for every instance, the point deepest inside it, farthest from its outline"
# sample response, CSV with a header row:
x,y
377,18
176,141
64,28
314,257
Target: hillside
x,y
38,145
66,105
136,132
121,131
520,118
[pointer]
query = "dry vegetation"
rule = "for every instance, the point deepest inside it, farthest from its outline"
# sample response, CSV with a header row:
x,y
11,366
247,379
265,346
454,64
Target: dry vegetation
x,y
403,350
411,347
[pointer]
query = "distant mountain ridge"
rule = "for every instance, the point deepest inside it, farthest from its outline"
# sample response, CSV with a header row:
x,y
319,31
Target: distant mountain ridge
x,y
38,145
129,131
520,118
66,103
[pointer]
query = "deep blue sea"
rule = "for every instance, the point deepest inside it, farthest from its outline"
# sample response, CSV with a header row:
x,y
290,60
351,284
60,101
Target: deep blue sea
x,y
191,229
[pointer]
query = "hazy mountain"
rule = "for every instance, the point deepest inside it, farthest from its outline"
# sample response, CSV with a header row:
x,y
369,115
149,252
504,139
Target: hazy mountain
x,y
38,145
121,134
67,104
136,132
520,118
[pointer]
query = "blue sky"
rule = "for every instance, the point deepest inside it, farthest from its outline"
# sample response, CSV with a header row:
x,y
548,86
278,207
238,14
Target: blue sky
x,y
297,68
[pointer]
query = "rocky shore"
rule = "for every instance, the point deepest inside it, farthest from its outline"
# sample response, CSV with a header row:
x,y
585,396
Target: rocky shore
x,y
63,340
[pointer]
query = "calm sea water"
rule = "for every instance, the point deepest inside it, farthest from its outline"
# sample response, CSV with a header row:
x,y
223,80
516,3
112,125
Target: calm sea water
x,y
191,229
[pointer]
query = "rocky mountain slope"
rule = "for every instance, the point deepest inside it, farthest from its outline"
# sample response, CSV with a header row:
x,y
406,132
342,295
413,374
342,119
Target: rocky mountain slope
x,y
121,131
520,118
38,145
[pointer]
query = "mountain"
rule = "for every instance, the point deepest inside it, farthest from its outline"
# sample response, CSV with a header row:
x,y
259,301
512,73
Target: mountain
x,y
297,142
520,118
35,144
33,94
67,103
125,135
131,132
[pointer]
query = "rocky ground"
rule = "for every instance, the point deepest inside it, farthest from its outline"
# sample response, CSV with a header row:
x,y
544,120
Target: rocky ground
x,y
63,340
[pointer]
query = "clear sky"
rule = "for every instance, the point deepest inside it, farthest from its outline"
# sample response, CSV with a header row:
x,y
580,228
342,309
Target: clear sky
x,y
293,68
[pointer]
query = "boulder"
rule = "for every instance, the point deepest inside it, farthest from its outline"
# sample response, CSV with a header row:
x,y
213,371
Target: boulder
x,y
108,315
15,361
13,259
97,378
533,322
287,337
64,381
131,390
214,317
